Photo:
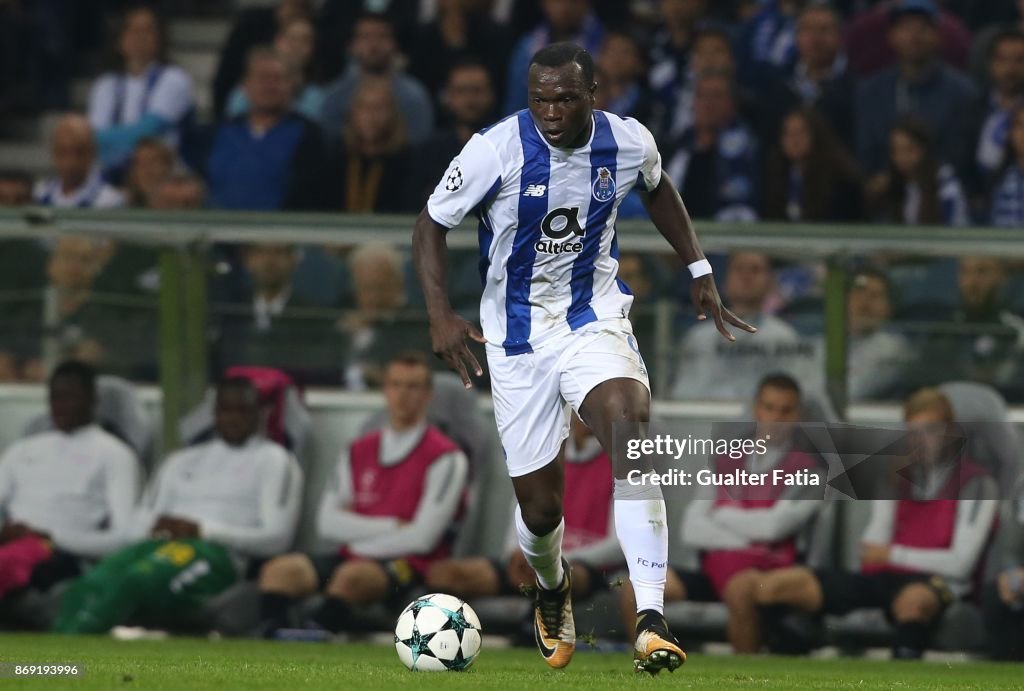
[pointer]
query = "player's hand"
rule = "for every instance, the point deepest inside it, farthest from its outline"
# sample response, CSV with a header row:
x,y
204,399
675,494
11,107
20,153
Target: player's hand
x,y
705,298
1011,585
448,334
874,555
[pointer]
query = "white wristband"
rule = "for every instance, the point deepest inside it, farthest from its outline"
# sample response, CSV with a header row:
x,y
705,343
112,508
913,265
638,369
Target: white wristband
x,y
700,268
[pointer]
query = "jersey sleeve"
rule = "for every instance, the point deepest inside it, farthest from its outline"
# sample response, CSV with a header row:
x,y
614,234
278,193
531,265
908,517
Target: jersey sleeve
x,y
172,97
472,177
650,168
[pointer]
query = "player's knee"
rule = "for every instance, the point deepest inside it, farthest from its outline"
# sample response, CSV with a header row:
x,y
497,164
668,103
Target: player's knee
x,y
915,603
445,574
356,581
542,512
740,591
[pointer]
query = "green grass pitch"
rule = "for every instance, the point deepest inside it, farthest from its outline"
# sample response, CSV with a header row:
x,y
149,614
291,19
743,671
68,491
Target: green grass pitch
x,y
185,665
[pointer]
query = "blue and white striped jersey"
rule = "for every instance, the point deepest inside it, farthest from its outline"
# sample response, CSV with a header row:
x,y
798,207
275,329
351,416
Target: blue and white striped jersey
x,y
548,252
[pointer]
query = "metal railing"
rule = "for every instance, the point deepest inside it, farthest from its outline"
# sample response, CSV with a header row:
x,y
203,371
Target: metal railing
x,y
185,236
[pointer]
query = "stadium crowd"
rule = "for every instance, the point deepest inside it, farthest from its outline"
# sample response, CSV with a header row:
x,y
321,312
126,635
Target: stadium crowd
x,y
897,112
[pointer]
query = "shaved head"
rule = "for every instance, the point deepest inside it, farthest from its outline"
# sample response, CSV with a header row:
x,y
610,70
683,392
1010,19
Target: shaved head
x,y
73,148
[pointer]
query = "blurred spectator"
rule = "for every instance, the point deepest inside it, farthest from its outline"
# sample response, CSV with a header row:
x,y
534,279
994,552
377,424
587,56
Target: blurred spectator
x,y
918,85
78,182
1007,193
870,51
389,513
711,52
151,163
375,331
981,50
810,176
373,165
66,495
180,190
621,83
709,370
917,189
989,350
15,188
670,59
277,328
820,77
919,552
254,26
374,53
589,543
713,163
337,20
462,30
767,38
992,118
564,20
1004,599
468,100
295,42
143,97
746,532
878,359
212,508
269,158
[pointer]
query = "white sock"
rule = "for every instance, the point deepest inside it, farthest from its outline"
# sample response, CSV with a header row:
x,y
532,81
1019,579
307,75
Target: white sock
x,y
642,529
543,553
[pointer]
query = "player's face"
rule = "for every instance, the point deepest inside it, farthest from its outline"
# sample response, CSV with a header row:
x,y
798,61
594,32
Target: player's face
x,y
71,403
1008,66
817,37
236,414
407,393
928,432
561,104
869,306
775,411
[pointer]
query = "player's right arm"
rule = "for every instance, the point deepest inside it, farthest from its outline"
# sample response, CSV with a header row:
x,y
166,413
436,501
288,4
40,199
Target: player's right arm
x,y
471,179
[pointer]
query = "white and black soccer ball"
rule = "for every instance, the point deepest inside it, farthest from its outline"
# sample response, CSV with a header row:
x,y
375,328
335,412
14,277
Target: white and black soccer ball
x,y
437,633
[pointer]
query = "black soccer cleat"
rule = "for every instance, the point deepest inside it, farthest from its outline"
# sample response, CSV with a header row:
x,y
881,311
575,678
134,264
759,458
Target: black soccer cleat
x,y
655,648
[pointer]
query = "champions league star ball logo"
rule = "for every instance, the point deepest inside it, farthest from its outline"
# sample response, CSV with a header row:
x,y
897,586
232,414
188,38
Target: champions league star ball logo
x,y
604,186
453,181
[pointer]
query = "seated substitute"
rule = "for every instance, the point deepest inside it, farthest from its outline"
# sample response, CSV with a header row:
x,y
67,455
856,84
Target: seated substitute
x,y
391,512
1004,600
212,508
66,495
592,549
919,551
746,530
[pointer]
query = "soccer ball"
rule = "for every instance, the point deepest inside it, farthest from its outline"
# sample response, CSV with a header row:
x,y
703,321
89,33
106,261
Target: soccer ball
x,y
437,633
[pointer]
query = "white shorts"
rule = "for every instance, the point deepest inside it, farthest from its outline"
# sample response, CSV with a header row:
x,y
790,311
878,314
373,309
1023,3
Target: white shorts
x,y
532,392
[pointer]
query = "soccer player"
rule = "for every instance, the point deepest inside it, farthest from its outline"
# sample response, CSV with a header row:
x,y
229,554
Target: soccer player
x,y
65,495
746,531
545,183
390,512
212,507
919,552
589,539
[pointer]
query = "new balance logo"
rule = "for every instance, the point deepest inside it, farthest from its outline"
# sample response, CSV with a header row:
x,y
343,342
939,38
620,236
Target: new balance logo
x,y
535,190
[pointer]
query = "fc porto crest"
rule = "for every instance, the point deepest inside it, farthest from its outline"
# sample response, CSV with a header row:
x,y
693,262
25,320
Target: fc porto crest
x,y
604,186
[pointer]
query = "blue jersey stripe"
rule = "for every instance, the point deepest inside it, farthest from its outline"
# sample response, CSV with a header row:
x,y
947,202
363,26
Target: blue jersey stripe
x,y
603,155
484,232
536,171
623,287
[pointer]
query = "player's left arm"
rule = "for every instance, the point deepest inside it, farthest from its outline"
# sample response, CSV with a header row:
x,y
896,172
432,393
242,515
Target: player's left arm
x,y
975,513
796,507
670,217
